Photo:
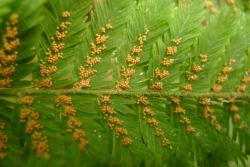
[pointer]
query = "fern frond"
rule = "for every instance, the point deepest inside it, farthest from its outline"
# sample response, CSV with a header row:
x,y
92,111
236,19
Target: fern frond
x,y
124,83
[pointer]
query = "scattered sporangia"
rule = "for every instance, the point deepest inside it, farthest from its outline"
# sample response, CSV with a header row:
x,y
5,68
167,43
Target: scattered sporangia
x,y
87,71
123,84
190,130
113,122
152,122
9,52
203,58
244,82
126,141
210,5
167,62
196,68
185,120
181,112
234,112
165,142
160,73
233,5
33,127
177,41
73,124
3,141
157,86
127,73
45,83
54,53
26,100
208,112
63,99
188,87
223,76
192,75
171,51
132,60
147,111
233,108
148,114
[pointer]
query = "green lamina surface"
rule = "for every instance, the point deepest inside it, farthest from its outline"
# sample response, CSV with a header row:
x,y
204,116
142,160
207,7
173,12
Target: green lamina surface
x,y
124,83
